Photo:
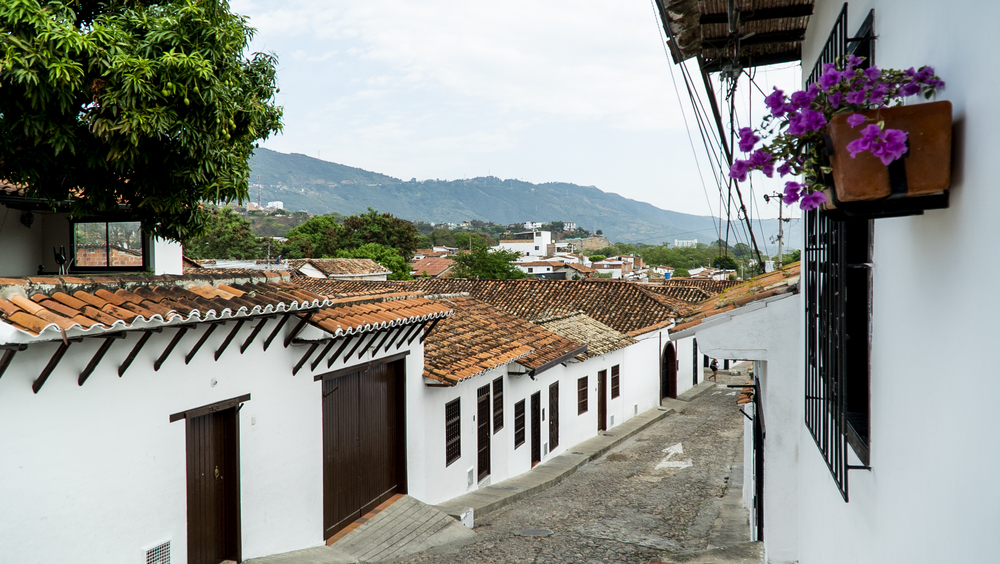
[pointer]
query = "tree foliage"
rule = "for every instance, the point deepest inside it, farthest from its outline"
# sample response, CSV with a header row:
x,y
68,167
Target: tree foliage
x,y
486,264
149,103
386,256
470,239
319,236
724,261
227,236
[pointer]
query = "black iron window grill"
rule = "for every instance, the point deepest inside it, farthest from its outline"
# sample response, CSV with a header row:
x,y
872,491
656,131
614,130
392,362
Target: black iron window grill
x,y
453,431
837,288
518,424
498,404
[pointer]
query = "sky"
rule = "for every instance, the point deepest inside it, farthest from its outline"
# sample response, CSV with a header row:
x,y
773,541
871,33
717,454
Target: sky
x,y
553,91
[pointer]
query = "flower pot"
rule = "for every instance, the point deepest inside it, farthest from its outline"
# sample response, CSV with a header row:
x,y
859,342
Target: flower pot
x,y
923,171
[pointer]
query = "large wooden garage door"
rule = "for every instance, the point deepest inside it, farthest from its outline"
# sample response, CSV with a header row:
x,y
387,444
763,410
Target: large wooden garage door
x,y
363,443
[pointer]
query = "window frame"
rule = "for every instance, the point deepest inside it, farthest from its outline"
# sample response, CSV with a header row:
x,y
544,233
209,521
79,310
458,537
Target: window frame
x,y
452,431
615,381
143,248
582,395
519,424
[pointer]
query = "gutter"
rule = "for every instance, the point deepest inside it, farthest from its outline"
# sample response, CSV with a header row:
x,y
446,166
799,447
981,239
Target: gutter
x,y
560,360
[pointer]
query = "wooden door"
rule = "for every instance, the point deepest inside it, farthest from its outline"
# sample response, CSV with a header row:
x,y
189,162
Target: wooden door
x,y
483,431
668,373
553,416
536,428
602,400
363,443
213,488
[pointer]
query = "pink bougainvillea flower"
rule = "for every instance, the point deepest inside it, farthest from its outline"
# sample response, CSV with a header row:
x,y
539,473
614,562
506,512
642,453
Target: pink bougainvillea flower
x,y
869,136
811,201
890,146
784,169
748,139
830,77
740,169
855,120
835,99
792,190
873,73
775,102
853,61
856,97
909,89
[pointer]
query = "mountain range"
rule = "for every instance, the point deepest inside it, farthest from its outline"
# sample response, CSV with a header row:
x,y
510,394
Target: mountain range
x,y
301,182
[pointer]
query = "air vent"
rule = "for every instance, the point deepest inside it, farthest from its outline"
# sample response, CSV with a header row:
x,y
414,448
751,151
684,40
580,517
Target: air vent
x,y
545,448
612,424
635,409
159,554
472,476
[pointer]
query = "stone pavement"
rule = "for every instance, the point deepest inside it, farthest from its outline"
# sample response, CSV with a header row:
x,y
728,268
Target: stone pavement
x,y
670,493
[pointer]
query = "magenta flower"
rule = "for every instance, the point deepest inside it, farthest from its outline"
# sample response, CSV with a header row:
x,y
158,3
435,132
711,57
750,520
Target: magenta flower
x,y
776,102
792,190
835,99
873,73
856,97
869,136
740,169
853,61
748,139
812,120
784,169
811,201
855,120
891,146
877,94
909,89
831,76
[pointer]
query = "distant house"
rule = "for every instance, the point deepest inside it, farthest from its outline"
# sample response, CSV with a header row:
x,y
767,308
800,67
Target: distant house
x,y
569,226
685,243
533,224
664,270
540,269
574,271
616,268
432,267
347,269
528,243
276,205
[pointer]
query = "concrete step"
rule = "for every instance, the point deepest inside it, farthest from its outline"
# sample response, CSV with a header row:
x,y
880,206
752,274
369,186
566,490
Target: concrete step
x,y
744,553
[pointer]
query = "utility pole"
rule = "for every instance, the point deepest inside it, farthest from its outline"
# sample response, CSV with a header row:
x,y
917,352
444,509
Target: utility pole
x,y
781,225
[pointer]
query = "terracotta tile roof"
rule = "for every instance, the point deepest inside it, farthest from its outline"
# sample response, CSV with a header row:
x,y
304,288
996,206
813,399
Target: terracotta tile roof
x,y
342,266
432,253
623,306
432,266
553,264
53,308
599,338
579,268
710,286
478,337
691,294
773,283
746,393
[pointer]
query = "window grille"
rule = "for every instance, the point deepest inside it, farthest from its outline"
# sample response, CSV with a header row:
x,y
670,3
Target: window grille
x,y
615,381
581,396
159,554
497,404
837,287
518,424
553,415
453,431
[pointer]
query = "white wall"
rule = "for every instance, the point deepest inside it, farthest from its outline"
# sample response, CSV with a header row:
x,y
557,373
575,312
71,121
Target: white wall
x,y
167,256
933,417
771,334
21,252
98,471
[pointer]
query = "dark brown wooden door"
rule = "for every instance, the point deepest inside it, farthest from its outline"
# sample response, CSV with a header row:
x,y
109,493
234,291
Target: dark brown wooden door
x,y
553,416
602,400
483,430
536,428
363,443
668,373
213,488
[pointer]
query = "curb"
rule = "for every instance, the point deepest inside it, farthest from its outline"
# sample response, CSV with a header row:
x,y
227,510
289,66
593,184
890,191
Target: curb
x,y
697,391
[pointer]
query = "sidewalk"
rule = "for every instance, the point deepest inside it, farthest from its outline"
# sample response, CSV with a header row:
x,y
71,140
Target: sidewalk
x,y
490,498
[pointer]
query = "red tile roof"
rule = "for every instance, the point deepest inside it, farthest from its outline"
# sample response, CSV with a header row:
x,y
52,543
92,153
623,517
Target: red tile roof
x,y
710,286
342,266
479,337
432,266
773,283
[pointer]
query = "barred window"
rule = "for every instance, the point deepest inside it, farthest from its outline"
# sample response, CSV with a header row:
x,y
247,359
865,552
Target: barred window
x,y
615,381
453,431
581,396
498,404
518,424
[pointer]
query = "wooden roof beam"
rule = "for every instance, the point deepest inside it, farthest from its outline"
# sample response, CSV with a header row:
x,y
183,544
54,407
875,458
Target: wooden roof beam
x,y
253,334
358,344
305,357
277,329
792,36
53,362
201,341
229,338
322,354
135,350
298,327
417,332
429,329
170,347
103,350
8,356
340,349
796,11
395,336
409,331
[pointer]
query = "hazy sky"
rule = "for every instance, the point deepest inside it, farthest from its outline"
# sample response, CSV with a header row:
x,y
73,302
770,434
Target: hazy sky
x,y
541,91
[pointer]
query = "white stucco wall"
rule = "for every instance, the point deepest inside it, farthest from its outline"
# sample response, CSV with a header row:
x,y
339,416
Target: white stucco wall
x,y
167,257
99,471
928,497
771,332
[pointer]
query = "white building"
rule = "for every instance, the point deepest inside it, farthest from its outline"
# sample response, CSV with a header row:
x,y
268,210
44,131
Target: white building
x,y
529,243
276,205
533,224
538,267
569,226
874,450
685,243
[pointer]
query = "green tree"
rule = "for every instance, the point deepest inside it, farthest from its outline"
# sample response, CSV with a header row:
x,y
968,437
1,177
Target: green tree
x,y
680,272
227,236
472,239
597,258
149,103
442,236
319,236
724,261
487,264
382,228
386,256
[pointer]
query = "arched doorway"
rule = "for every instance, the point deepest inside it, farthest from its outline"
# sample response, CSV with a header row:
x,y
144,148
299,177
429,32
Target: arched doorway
x,y
668,373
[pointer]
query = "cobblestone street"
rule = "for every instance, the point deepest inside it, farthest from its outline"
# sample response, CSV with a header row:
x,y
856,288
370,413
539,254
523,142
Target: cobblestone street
x,y
657,493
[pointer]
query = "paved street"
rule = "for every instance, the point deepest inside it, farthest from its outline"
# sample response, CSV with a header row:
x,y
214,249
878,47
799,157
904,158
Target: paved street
x,y
657,493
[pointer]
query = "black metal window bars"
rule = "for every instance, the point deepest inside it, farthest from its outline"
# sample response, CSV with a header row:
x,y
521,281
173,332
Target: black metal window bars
x,y
837,287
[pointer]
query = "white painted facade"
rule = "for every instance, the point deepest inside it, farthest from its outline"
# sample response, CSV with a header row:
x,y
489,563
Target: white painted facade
x,y
929,495
537,246
99,472
436,482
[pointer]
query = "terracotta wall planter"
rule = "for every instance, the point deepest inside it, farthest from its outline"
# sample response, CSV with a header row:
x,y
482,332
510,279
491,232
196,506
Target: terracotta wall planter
x,y
926,168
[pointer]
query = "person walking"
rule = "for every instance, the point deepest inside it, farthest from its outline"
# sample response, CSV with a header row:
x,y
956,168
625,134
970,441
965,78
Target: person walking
x,y
715,370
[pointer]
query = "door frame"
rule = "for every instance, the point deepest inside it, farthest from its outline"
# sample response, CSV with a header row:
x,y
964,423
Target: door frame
x,y
553,415
483,440
602,400
668,372
536,428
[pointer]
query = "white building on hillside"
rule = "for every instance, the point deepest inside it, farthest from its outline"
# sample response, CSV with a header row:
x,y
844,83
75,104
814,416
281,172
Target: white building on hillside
x,y
528,243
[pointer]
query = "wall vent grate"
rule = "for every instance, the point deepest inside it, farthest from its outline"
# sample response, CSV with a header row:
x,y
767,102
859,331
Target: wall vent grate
x,y
159,554
612,421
